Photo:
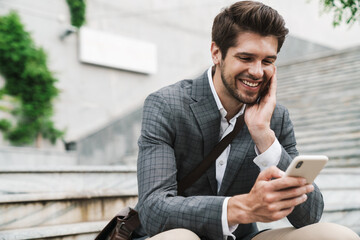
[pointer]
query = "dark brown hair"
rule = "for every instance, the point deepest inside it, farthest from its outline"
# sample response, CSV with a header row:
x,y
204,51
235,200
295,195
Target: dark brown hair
x,y
247,16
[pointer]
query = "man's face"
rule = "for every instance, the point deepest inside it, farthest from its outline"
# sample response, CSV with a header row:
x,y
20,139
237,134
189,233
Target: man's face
x,y
248,66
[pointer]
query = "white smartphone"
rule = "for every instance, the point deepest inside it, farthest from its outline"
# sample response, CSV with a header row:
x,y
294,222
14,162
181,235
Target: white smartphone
x,y
306,166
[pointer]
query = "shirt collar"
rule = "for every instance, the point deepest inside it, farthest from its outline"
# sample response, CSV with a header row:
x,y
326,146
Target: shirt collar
x,y
221,108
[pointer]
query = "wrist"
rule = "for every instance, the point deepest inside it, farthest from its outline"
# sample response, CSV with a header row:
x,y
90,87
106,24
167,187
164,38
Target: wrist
x,y
263,139
238,211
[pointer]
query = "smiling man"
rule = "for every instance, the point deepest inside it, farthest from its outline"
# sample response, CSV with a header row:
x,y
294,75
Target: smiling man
x,y
183,122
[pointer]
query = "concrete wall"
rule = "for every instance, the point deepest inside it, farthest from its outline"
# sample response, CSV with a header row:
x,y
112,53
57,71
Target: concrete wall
x,y
92,96
114,144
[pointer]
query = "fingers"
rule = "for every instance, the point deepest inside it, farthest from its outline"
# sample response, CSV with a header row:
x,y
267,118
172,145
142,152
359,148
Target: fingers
x,y
294,192
286,204
277,215
270,173
287,182
273,85
287,194
282,188
281,214
269,199
271,96
274,196
280,209
279,181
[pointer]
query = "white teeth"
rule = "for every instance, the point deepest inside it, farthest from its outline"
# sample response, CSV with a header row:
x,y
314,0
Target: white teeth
x,y
250,84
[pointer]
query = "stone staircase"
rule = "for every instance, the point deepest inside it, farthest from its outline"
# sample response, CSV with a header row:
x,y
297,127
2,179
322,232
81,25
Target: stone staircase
x,y
53,201
322,95
341,191
69,202
77,202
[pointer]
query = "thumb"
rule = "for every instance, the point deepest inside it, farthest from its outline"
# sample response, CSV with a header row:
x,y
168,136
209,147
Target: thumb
x,y
270,173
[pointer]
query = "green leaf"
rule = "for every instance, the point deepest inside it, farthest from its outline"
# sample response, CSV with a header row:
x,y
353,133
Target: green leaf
x,y
30,82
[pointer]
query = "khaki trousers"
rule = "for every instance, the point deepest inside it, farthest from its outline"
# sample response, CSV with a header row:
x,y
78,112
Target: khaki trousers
x,y
318,231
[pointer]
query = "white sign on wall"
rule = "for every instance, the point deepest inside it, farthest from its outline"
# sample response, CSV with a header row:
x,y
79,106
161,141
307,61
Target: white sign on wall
x,y
110,50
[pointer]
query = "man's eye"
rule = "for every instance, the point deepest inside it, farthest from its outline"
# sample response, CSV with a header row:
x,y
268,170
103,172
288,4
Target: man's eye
x,y
268,62
245,58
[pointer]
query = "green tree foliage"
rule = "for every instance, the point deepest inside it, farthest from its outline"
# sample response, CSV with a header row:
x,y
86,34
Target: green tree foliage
x,y
28,79
347,11
77,11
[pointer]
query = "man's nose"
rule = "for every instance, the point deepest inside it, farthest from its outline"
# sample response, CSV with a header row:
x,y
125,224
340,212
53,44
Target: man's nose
x,y
256,70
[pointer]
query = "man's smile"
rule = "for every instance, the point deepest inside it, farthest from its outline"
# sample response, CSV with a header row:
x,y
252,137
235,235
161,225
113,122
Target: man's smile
x,y
250,84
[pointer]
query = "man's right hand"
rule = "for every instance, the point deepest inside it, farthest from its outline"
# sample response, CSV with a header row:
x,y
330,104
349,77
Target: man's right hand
x,y
272,197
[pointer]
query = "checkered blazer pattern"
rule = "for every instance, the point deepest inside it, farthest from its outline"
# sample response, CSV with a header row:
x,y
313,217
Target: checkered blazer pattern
x,y
180,126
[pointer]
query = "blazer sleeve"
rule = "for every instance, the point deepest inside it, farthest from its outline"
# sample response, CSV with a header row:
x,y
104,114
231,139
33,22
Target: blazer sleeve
x,y
159,207
310,211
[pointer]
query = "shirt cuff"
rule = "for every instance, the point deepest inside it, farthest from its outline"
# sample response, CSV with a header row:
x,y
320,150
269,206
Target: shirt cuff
x,y
227,230
271,157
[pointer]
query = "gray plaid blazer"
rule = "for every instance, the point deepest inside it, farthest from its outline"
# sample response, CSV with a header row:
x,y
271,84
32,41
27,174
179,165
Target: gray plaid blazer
x,y
180,126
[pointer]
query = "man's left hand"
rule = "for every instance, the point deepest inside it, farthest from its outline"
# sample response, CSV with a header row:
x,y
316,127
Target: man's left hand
x,y
258,117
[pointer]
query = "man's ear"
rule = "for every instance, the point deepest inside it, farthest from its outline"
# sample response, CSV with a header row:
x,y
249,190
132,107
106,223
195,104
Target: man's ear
x,y
215,53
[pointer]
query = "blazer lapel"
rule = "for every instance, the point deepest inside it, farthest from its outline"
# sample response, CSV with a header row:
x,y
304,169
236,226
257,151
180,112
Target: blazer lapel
x,y
239,148
207,116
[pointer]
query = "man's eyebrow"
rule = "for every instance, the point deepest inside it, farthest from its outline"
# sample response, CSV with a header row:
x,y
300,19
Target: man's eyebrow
x,y
252,55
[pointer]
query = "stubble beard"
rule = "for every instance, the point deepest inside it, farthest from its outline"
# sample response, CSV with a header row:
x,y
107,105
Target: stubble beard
x,y
227,80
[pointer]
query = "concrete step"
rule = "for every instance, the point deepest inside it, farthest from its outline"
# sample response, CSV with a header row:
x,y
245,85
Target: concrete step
x,y
341,190
335,82
55,209
321,62
78,231
36,197
321,70
54,179
27,156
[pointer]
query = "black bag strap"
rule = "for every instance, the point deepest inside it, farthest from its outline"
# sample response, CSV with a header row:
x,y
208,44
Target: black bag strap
x,y
195,174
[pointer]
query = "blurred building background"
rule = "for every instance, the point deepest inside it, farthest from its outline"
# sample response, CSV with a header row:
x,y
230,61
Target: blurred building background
x,y
70,189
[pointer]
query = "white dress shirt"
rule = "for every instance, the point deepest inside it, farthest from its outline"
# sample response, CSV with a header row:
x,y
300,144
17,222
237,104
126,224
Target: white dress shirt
x,y
270,157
